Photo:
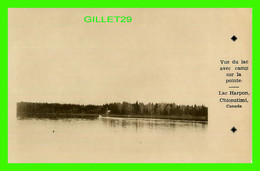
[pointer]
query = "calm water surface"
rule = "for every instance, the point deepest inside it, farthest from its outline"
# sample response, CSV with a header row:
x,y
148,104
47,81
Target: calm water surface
x,y
107,140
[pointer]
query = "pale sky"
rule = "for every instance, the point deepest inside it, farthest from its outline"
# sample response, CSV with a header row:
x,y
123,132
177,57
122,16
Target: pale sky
x,y
163,55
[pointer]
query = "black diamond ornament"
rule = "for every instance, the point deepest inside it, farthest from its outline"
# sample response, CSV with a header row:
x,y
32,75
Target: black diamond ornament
x,y
234,38
233,129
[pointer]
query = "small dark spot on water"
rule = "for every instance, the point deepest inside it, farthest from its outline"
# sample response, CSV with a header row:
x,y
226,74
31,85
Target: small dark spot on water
x,y
53,131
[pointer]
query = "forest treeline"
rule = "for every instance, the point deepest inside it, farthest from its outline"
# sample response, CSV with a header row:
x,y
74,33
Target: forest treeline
x,y
125,108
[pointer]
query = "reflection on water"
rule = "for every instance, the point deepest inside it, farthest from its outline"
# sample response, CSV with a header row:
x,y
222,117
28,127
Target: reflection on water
x,y
140,123
106,140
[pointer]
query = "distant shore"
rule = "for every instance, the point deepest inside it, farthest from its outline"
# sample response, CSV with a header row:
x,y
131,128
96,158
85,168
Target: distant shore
x,y
185,117
22,115
124,110
95,116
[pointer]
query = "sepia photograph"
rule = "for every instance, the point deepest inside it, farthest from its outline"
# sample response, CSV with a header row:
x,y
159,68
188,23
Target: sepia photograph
x,y
129,85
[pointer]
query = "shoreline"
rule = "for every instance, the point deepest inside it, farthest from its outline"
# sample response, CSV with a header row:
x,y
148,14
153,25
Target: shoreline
x,y
184,117
95,116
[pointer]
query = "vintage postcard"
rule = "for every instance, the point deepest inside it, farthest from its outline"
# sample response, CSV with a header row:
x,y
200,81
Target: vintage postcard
x,y
129,85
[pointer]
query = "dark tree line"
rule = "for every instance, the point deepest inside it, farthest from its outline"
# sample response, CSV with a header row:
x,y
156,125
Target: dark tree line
x,y
124,108
28,107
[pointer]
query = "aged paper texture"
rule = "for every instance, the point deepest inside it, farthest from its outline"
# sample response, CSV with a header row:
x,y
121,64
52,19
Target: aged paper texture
x,y
172,85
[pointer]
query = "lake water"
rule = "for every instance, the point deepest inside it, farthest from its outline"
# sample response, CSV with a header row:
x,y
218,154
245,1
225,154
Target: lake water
x,y
107,140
